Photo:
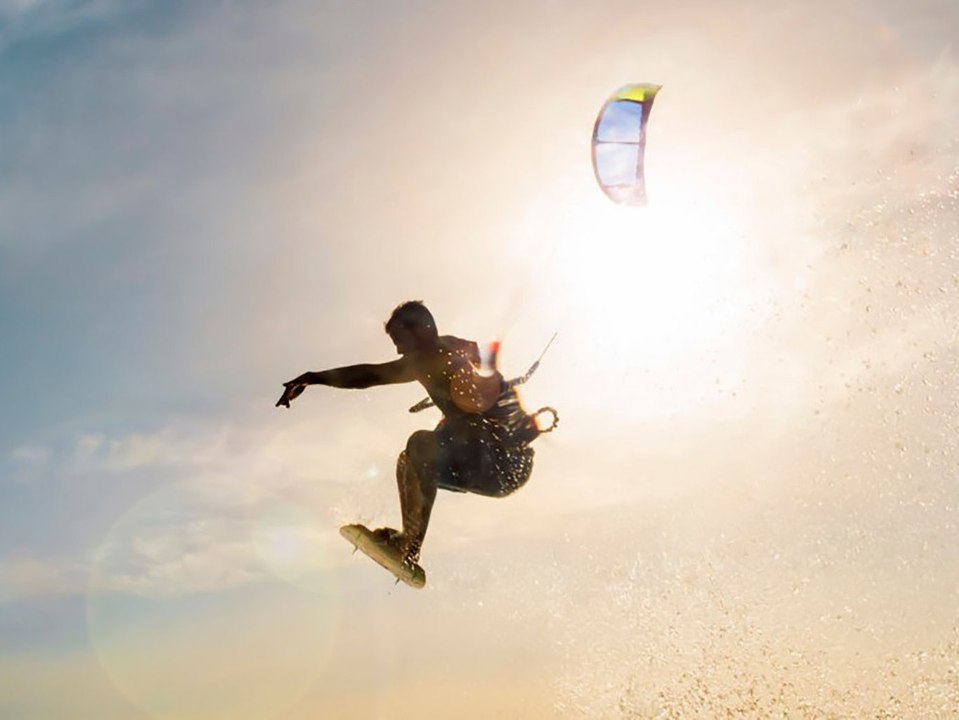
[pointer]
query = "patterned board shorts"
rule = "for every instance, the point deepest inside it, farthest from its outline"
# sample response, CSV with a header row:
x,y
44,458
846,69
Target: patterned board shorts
x,y
477,456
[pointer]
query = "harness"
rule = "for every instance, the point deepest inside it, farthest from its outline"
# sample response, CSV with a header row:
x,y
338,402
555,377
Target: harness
x,y
531,430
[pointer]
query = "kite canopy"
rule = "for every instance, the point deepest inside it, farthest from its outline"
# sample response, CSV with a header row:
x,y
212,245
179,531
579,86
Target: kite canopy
x,y
619,143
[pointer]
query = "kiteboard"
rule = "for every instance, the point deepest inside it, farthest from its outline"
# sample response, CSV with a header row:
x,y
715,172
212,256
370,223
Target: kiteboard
x,y
363,539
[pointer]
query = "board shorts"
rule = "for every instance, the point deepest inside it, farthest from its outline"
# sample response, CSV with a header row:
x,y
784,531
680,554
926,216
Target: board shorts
x,y
477,455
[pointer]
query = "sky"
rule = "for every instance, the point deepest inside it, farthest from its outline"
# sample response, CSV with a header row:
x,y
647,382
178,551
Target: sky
x,y
749,506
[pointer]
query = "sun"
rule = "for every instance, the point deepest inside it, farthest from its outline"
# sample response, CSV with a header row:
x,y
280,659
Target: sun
x,y
647,287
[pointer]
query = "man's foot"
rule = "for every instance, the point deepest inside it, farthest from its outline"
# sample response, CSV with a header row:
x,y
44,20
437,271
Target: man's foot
x,y
386,535
404,546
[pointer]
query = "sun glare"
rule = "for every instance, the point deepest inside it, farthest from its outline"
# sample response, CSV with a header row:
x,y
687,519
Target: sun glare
x,y
289,543
647,286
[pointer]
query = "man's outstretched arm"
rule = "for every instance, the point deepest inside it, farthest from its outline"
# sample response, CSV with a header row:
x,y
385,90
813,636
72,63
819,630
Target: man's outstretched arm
x,y
350,377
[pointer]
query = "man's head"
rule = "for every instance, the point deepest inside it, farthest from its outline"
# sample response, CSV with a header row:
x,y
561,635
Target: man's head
x,y
411,326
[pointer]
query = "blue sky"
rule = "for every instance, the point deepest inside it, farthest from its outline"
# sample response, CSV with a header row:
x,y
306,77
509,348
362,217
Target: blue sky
x,y
755,375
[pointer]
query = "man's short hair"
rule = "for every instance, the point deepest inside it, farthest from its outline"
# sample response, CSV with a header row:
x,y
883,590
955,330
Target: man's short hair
x,y
413,316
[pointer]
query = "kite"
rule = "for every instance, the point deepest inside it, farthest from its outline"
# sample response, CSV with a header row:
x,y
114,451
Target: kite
x,y
619,143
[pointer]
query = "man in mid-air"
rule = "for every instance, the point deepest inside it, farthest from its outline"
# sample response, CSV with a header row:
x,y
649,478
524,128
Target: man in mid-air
x,y
482,443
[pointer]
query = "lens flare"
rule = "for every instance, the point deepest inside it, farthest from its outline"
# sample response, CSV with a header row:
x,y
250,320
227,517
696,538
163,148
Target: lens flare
x,y
202,613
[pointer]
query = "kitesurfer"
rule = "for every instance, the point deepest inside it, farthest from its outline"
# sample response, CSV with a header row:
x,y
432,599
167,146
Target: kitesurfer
x,y
482,443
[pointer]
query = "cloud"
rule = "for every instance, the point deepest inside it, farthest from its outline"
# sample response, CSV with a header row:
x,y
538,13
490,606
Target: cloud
x,y
230,505
30,454
23,20
25,463
176,542
168,448
165,447
28,577
172,561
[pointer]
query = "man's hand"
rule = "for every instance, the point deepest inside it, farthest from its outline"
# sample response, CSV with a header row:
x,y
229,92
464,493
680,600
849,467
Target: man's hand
x,y
292,390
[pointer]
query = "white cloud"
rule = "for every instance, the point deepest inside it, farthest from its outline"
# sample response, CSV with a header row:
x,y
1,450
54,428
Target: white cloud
x,y
30,455
166,447
28,462
87,447
245,503
26,577
176,542
28,19
139,450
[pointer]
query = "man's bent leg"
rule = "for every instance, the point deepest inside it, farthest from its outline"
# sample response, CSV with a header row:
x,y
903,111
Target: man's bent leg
x,y
416,478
